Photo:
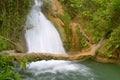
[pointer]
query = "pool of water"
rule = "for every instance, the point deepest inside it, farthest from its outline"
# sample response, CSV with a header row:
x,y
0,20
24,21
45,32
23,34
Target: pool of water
x,y
67,70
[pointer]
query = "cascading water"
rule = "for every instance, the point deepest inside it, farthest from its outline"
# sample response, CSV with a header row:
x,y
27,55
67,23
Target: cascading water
x,y
41,36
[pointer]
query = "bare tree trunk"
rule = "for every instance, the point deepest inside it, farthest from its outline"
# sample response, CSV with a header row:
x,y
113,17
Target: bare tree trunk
x,y
47,56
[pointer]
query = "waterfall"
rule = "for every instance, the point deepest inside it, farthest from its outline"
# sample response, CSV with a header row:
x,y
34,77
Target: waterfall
x,y
41,35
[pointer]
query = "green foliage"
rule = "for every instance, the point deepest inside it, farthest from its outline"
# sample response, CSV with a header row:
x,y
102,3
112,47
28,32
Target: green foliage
x,y
72,6
4,45
114,39
106,49
67,45
47,6
12,19
68,33
101,18
83,42
23,63
6,69
66,18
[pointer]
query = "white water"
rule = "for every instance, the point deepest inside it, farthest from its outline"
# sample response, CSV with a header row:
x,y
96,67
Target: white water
x,y
41,36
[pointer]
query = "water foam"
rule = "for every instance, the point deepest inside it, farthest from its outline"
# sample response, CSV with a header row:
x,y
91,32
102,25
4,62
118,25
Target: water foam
x,y
58,66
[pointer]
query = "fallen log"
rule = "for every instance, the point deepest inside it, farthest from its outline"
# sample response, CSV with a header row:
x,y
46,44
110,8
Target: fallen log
x,y
46,56
30,57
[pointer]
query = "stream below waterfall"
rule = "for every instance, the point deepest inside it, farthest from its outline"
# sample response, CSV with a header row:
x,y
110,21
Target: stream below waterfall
x,y
76,70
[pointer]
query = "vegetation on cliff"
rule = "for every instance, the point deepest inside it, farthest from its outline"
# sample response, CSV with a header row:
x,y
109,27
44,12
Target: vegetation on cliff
x,y
100,18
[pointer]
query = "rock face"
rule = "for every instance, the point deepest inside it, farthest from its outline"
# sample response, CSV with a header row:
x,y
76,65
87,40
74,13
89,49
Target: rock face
x,y
68,31
57,7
